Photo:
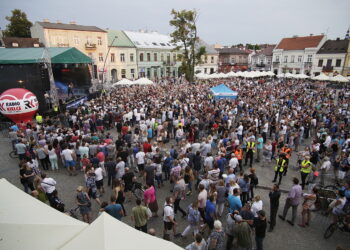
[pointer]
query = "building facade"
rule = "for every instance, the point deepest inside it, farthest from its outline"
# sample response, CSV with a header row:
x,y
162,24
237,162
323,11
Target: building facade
x,y
233,59
210,60
262,60
331,57
296,54
155,57
121,61
346,68
90,40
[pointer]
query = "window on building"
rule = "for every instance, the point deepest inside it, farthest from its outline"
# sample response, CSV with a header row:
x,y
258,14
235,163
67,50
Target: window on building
x,y
148,57
112,57
148,72
329,62
76,40
300,58
212,59
277,59
141,57
123,71
168,58
205,70
338,63
174,57
132,73
131,57
292,59
155,57
99,40
232,60
162,57
320,63
122,57
285,59
309,58
100,57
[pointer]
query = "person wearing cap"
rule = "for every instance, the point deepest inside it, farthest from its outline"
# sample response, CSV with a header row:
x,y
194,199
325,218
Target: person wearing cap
x,y
260,229
243,233
279,168
216,238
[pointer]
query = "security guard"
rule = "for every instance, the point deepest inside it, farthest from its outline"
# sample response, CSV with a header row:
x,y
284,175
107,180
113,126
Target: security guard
x,y
39,118
288,153
305,170
279,168
250,152
239,155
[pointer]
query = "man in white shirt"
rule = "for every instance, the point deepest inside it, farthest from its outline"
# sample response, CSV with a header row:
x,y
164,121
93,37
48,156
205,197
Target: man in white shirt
x,y
208,162
48,184
120,168
68,156
169,217
140,159
99,179
326,165
233,163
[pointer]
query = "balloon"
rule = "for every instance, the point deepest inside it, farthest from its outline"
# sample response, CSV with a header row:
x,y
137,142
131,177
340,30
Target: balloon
x,y
18,104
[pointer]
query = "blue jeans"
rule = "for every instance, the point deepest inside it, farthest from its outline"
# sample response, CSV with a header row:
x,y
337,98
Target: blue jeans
x,y
259,242
159,179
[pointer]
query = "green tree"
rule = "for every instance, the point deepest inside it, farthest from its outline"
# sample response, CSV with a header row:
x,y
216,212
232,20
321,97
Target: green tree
x,y
185,38
19,25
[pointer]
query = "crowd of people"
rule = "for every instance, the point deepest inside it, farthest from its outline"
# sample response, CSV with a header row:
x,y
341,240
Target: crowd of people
x,y
207,149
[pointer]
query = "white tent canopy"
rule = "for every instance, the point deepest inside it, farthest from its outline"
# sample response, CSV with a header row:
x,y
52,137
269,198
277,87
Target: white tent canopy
x,y
107,233
143,81
301,76
27,223
321,77
339,78
123,81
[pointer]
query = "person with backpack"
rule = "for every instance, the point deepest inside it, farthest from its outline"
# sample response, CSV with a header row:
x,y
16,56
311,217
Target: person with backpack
x,y
193,219
84,204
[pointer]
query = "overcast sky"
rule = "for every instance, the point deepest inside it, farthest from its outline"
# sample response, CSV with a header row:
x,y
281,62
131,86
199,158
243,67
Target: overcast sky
x,y
220,21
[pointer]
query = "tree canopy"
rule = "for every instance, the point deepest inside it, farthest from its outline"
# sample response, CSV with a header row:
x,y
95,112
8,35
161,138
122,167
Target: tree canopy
x,y
19,25
185,38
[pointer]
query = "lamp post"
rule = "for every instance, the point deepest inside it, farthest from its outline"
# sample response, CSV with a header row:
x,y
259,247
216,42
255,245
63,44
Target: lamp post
x,y
104,64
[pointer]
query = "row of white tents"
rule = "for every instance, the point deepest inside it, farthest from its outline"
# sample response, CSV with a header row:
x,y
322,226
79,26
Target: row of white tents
x,y
126,82
256,74
246,74
27,223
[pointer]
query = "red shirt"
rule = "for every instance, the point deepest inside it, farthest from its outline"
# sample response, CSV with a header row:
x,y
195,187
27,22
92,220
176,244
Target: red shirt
x,y
147,147
125,130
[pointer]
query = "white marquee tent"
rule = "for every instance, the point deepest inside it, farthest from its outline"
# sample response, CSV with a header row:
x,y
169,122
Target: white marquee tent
x,y
123,81
27,223
143,81
321,77
107,233
339,78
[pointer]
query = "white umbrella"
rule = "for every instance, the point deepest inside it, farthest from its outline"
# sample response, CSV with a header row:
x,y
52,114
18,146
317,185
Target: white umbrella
x,y
143,81
270,73
123,81
280,75
301,76
339,78
321,77
231,74
222,75
289,75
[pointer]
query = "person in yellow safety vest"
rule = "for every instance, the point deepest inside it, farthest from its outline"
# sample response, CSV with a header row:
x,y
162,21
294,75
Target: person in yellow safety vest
x,y
39,118
279,168
55,109
250,152
305,170
288,152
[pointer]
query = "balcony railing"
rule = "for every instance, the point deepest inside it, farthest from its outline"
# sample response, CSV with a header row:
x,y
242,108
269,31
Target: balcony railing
x,y
167,63
90,45
62,44
327,69
275,64
307,64
260,65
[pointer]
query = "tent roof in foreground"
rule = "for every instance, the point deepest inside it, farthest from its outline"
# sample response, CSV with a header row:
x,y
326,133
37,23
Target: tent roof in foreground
x,y
107,233
223,89
35,55
27,223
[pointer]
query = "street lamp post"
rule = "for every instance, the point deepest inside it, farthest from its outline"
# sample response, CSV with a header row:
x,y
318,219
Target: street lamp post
x,y
104,64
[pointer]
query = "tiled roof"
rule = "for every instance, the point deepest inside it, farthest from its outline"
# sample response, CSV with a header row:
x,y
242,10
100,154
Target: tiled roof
x,y
22,42
209,48
299,43
64,26
236,51
267,51
150,40
122,40
334,47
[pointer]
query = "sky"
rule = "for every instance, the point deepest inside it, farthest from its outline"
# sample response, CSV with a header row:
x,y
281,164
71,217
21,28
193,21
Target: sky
x,y
225,22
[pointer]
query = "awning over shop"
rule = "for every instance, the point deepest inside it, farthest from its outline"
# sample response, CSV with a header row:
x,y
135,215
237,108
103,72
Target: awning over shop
x,y
35,55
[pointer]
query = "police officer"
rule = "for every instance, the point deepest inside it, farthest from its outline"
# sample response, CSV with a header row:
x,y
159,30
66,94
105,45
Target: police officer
x,y
288,153
279,168
305,170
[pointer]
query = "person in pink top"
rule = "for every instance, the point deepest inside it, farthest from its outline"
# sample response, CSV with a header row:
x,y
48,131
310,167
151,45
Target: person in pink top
x,y
150,199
